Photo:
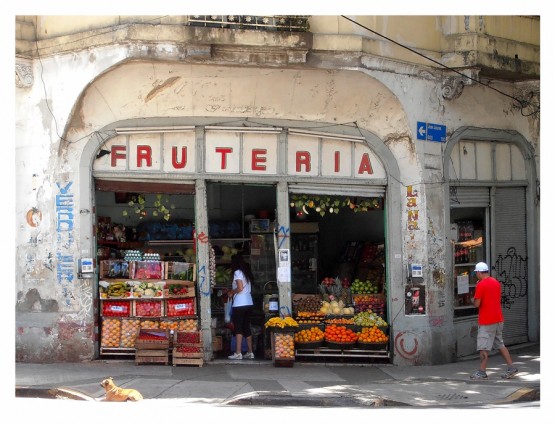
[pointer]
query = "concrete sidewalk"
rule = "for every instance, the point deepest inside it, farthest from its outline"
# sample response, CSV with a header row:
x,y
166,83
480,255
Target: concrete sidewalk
x,y
258,382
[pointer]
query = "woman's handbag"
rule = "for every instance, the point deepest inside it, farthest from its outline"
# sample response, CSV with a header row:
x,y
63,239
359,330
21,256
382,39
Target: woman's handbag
x,y
227,310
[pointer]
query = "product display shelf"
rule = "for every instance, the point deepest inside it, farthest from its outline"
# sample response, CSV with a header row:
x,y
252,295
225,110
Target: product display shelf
x,y
354,352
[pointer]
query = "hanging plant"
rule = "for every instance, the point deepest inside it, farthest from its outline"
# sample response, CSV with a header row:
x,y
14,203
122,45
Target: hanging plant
x,y
305,204
139,207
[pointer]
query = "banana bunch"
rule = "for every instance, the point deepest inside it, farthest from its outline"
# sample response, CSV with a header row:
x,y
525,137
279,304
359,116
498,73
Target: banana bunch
x,y
119,289
281,322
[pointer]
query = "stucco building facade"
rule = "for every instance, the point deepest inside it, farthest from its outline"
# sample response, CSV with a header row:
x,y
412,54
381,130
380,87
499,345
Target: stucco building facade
x,y
447,119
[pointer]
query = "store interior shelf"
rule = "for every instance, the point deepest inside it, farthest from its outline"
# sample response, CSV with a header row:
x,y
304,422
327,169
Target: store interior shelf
x,y
168,242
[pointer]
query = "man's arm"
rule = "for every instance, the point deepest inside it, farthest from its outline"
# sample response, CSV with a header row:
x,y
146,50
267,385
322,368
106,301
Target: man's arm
x,y
476,302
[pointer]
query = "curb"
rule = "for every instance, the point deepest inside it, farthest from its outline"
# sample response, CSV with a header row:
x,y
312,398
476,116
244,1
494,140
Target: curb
x,y
313,401
523,395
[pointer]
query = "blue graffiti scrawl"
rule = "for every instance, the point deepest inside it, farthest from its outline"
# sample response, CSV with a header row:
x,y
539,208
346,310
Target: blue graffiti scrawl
x,y
512,273
65,240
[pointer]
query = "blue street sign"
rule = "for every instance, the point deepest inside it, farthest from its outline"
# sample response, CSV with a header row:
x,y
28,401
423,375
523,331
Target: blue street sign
x,y
431,132
421,131
436,132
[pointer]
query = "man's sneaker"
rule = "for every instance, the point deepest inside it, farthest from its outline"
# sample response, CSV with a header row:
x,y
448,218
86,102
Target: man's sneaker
x,y
510,373
479,375
249,355
236,356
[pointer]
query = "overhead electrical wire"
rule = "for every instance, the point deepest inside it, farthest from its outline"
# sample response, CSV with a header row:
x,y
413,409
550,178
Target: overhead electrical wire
x,y
521,102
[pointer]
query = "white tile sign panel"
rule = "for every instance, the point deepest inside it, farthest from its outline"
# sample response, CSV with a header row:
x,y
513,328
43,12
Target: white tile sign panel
x,y
228,152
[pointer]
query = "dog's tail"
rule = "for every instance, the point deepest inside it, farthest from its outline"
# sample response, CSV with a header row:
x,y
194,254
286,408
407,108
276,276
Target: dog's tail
x,y
135,397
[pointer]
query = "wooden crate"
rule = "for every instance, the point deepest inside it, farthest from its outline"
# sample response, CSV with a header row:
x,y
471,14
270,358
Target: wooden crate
x,y
180,271
199,362
217,343
110,333
116,308
181,307
197,347
161,341
187,337
151,356
148,308
186,289
278,359
146,270
114,268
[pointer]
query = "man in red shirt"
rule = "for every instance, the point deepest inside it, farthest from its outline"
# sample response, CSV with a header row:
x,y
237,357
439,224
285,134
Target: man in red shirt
x,y
487,298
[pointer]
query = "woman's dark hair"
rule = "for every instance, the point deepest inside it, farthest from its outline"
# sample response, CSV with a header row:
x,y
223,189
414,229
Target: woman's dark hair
x,y
238,263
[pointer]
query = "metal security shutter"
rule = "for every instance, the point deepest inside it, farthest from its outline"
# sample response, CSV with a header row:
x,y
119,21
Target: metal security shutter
x,y
510,260
468,196
338,190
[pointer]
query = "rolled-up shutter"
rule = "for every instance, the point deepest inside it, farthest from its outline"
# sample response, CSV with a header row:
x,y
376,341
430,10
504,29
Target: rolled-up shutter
x,y
469,196
338,190
510,260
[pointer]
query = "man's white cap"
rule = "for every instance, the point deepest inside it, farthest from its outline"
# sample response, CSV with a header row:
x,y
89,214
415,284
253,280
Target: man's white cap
x,y
481,267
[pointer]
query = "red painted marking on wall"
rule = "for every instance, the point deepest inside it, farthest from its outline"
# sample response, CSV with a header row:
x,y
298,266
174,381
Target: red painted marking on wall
x,y
400,345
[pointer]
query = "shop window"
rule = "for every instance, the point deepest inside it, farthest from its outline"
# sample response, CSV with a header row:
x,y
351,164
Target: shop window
x,y
469,236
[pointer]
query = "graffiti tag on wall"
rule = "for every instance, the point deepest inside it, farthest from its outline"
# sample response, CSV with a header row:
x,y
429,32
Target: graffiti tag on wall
x,y
406,345
64,241
512,272
412,206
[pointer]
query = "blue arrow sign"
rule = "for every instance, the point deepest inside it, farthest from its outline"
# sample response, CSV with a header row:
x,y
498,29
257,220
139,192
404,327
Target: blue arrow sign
x,y
431,132
421,131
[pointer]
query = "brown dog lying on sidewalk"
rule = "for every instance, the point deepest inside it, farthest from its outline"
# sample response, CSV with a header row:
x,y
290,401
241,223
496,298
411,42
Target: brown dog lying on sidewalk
x,y
118,394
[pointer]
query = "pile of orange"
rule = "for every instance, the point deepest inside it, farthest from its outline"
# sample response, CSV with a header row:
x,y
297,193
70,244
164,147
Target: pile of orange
x,y
284,346
372,335
313,334
340,334
340,321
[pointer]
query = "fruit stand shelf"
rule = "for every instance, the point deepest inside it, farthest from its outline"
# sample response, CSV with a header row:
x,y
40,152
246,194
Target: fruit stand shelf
x,y
343,353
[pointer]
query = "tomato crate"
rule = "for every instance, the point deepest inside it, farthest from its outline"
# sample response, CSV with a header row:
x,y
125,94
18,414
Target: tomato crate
x,y
146,270
188,350
187,337
178,289
152,338
116,308
181,271
181,307
148,308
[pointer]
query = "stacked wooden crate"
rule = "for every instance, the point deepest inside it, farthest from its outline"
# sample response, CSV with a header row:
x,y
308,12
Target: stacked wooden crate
x,y
188,348
152,346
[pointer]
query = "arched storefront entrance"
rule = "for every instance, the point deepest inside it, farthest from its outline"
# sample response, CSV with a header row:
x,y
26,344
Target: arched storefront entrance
x,y
199,100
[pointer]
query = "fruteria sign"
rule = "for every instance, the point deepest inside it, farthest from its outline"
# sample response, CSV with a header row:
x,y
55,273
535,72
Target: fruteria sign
x,y
240,153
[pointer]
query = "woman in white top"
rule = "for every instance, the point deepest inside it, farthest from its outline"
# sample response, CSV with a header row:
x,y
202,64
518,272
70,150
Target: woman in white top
x,y
242,305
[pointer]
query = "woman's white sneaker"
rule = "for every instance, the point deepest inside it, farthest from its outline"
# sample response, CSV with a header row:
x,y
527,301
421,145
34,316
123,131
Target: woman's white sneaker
x,y
236,356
